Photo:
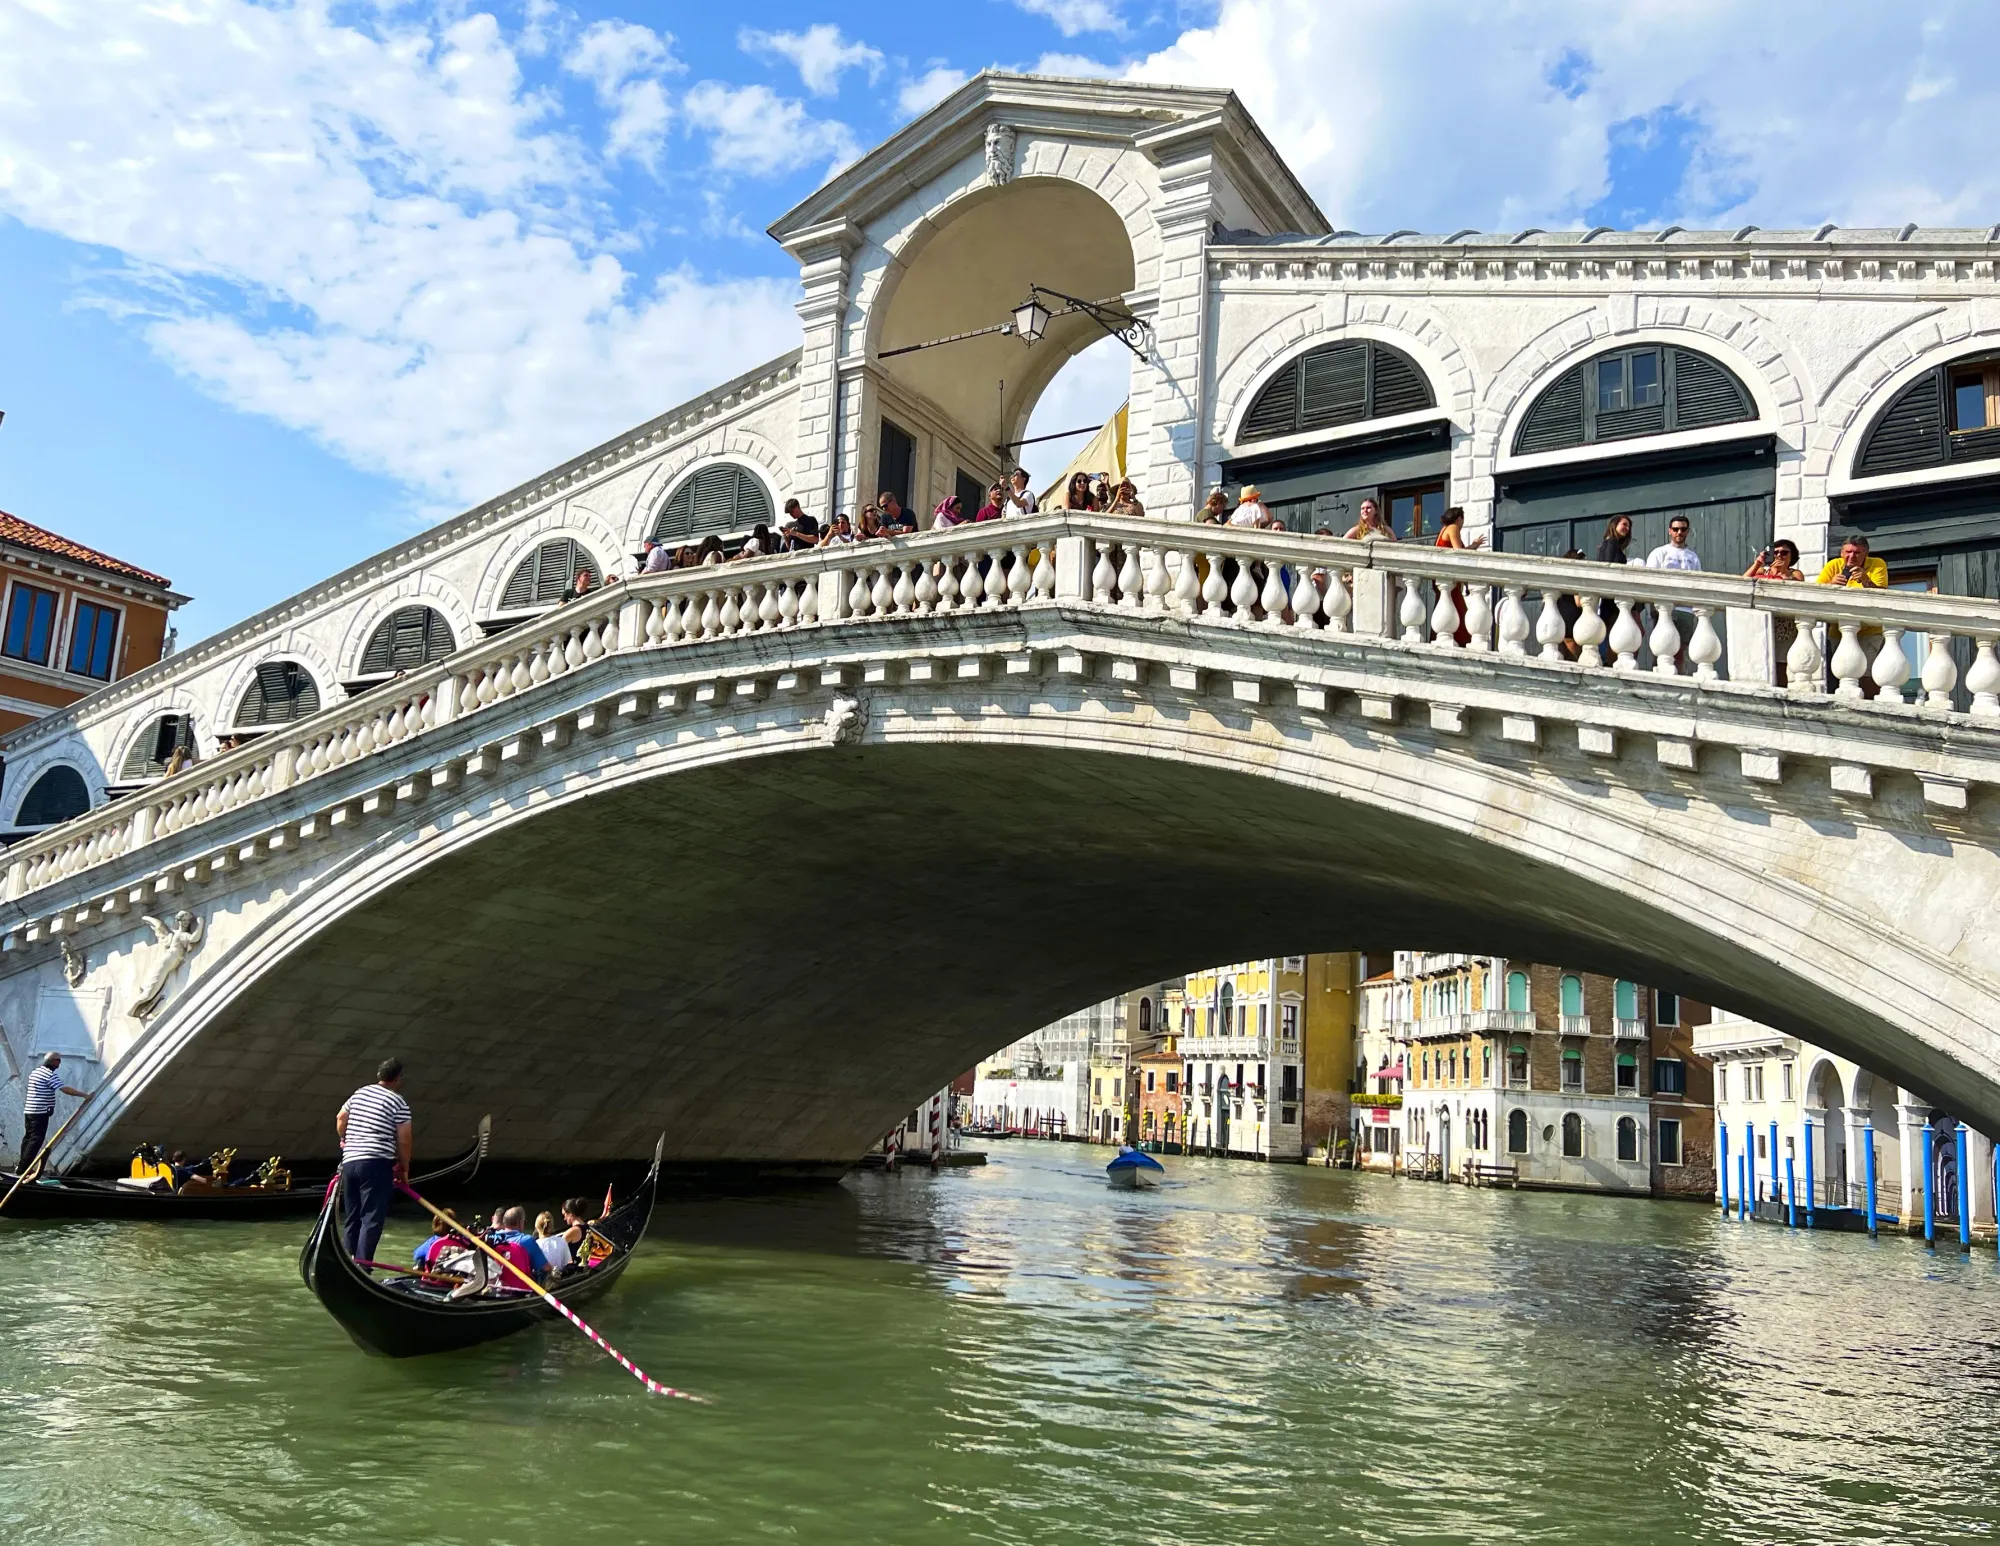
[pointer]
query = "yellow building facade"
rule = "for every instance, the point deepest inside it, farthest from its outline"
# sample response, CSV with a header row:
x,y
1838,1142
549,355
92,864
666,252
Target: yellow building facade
x,y
1267,1054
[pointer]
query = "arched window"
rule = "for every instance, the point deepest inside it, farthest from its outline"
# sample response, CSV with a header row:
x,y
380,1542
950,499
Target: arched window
x,y
1572,995
1951,413
1227,999
409,637
282,692
1650,390
1517,993
1145,1017
546,573
1628,1139
1572,1135
155,746
1625,1000
724,497
1517,1131
1337,384
56,796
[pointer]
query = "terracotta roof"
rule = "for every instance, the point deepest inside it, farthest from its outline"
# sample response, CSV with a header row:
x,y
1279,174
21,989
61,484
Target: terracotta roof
x,y
26,534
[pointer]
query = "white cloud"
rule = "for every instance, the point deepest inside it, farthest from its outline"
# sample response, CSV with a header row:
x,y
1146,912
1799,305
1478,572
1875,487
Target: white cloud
x,y
757,131
624,62
1074,64
927,90
1072,17
820,54
1434,114
375,234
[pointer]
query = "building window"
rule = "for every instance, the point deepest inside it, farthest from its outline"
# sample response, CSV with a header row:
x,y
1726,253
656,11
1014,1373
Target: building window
x,y
155,746
1627,1074
1762,1153
1670,1078
1628,1139
1454,1065
1666,1008
1572,1135
546,573
1288,1089
1517,993
1173,1082
1630,393
1145,1017
1721,1083
1295,963
1517,1068
1975,397
1335,384
282,692
1669,1145
1149,1081
1572,1073
1289,1021
1517,1131
1097,1089
1227,999
1753,1081
1263,1019
57,795
31,623
1625,999
1572,995
1784,1081
407,638
93,634
1486,1065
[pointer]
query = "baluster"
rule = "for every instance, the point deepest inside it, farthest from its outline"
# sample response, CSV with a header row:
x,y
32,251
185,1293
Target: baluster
x,y
1018,583
594,647
1045,570
1214,592
971,585
1850,661
1131,579
683,617
557,657
1243,593
927,587
1273,597
398,723
788,603
1803,662
656,623
903,594
538,663
730,618
1940,674
1705,648
1305,600
1626,637
1444,619
1187,583
883,596
1410,613
573,652
1339,602
858,594
519,679
1666,642
1479,615
947,587
1103,577
809,599
1589,632
1892,666
1982,678
1550,630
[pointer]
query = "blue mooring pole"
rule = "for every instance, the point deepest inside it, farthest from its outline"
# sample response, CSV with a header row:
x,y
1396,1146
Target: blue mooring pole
x,y
1964,1193
1930,1185
1743,1185
1774,1162
1870,1161
1791,1196
1722,1165
1811,1173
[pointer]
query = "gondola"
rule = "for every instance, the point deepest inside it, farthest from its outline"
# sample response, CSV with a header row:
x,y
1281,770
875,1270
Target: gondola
x,y
76,1197
400,1317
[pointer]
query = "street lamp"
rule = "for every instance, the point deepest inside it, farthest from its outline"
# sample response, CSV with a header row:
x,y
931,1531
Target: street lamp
x,y
1031,318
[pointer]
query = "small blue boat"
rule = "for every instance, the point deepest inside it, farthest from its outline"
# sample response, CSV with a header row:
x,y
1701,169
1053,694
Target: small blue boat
x,y
1133,1169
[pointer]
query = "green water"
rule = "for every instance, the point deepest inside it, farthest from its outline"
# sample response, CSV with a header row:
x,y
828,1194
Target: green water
x,y
1017,1354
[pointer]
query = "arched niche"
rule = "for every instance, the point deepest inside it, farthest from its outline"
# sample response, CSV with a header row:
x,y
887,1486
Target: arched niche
x,y
280,692
1630,393
1336,384
540,579
407,638
1948,415
58,795
972,271
722,497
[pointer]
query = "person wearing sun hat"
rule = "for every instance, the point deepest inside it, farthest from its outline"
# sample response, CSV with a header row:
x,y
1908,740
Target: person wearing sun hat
x,y
1250,508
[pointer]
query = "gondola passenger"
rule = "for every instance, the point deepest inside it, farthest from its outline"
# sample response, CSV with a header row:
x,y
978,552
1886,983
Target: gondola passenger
x,y
550,1242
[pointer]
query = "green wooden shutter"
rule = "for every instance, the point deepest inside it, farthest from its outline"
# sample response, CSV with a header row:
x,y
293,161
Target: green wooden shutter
x,y
283,691
1555,423
408,638
1276,410
1333,386
546,573
1705,393
56,796
1910,432
1399,386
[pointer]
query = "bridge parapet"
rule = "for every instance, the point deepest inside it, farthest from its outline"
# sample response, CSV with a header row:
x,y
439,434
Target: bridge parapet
x,y
1411,610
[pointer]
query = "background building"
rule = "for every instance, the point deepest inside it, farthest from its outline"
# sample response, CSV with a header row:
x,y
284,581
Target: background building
x,y
1073,1076
1254,1036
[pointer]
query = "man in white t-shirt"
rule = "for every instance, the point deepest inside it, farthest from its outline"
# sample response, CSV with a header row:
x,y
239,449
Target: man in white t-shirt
x,y
1020,498
1674,553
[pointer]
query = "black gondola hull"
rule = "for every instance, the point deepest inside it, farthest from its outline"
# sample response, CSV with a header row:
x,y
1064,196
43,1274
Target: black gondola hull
x,y
65,1197
395,1324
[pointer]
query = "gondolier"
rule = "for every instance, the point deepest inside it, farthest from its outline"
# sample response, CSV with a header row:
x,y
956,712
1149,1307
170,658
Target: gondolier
x,y
44,1085
375,1131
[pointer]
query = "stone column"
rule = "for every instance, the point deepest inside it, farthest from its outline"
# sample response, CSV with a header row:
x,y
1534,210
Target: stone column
x,y
825,254
1813,1182
1910,1117
1860,1135
1978,1177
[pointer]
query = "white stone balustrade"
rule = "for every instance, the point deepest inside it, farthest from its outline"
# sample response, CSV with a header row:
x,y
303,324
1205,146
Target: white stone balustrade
x,y
1705,632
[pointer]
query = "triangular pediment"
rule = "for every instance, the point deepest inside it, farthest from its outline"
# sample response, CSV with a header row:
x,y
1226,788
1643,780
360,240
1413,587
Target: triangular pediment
x,y
1114,112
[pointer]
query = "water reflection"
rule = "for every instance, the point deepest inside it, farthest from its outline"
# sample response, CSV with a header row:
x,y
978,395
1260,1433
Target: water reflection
x,y
1018,1354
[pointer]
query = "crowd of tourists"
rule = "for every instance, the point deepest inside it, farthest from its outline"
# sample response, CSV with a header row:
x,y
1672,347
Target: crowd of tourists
x,y
554,1251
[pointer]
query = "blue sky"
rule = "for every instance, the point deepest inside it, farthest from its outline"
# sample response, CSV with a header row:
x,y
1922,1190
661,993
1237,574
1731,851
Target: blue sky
x,y
281,282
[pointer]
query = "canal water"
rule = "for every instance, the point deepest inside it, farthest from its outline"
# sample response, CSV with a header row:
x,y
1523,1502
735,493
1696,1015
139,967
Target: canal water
x,y
1017,1354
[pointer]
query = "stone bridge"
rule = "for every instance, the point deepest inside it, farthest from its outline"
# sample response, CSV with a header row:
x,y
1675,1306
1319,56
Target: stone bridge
x,y
759,854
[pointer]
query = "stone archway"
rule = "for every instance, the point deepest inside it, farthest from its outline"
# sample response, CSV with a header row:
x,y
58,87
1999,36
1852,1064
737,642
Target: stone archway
x,y
1826,1110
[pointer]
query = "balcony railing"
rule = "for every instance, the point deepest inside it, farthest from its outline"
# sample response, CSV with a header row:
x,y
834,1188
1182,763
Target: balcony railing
x,y
1624,1028
1504,1020
1576,1025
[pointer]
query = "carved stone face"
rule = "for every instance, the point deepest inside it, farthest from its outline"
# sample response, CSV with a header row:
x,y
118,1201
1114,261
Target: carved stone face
x,y
183,921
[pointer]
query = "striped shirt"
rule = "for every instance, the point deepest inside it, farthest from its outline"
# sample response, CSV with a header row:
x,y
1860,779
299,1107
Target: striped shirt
x,y
44,1084
374,1112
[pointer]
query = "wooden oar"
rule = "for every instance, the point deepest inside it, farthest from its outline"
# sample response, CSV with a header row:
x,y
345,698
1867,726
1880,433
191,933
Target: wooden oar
x,y
35,1164
550,1299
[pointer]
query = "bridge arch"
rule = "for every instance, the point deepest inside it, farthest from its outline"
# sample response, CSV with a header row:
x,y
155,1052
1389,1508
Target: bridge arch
x,y
1118,838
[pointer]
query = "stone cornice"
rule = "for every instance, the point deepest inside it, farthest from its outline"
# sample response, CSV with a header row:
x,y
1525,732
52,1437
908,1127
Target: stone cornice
x,y
600,461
